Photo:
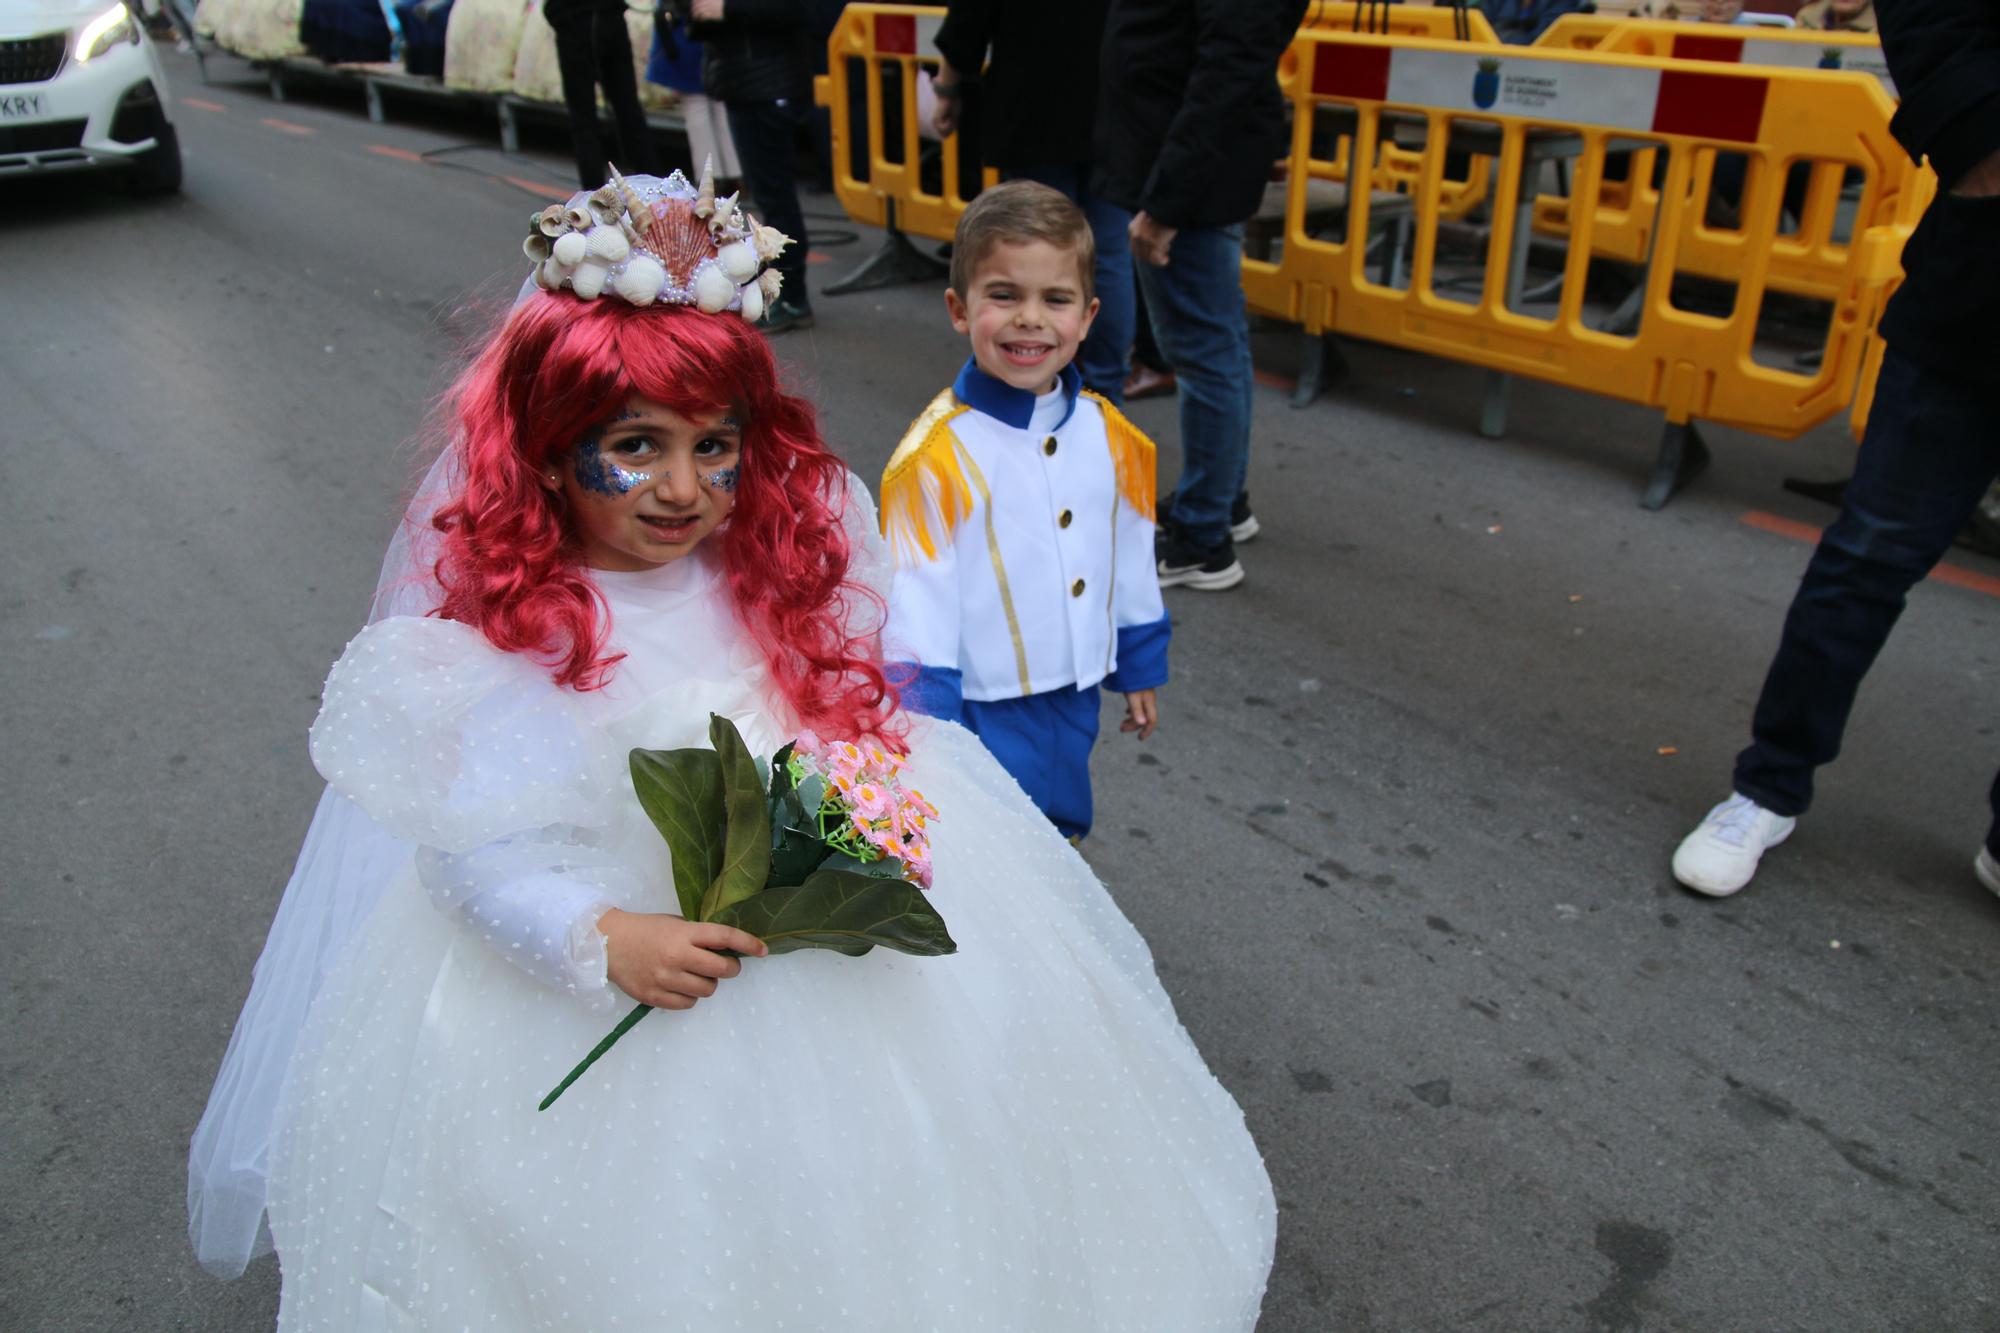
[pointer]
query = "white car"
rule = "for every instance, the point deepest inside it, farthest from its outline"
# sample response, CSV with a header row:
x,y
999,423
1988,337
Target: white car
x,y
81,87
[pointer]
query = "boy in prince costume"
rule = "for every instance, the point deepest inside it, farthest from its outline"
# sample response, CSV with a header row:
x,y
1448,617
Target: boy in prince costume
x,y
634,528
1020,511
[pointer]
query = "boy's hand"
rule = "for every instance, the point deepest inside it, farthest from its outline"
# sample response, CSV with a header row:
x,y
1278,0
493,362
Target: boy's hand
x,y
1142,713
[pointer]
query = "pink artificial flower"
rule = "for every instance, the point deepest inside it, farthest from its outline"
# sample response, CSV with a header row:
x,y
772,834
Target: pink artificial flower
x,y
872,800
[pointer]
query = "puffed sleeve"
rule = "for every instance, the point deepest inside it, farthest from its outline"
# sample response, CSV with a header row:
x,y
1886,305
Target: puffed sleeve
x,y
494,771
921,640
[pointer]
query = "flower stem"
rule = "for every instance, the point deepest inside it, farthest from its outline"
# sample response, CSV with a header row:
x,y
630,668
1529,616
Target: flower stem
x,y
624,1026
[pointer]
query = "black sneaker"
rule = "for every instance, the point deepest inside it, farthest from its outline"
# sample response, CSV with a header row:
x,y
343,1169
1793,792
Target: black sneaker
x,y
1243,524
1184,564
782,315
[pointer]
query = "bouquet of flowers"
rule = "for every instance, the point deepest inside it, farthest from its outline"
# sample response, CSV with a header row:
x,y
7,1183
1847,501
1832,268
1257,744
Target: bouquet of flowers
x,y
833,852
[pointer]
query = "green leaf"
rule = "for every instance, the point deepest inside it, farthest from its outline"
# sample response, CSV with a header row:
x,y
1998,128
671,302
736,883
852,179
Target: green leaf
x,y
746,853
846,912
681,792
781,773
887,867
798,853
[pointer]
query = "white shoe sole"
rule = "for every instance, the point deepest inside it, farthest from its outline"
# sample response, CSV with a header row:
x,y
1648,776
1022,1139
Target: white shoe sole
x,y
1692,878
1988,869
1204,580
1244,531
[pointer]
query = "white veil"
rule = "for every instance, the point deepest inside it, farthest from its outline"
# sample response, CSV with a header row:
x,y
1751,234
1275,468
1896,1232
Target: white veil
x,y
345,864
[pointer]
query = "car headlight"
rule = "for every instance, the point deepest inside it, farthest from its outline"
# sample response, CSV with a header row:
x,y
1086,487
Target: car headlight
x,y
113,26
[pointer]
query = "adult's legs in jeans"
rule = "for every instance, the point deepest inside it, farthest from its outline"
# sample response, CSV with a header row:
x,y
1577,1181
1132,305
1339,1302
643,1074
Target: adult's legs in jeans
x,y
763,133
1929,453
1202,326
1104,356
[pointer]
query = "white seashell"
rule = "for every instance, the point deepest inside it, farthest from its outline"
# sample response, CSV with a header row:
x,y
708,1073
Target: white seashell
x,y
713,290
536,247
552,221
608,244
739,261
570,248
769,241
753,302
589,278
770,282
579,219
704,198
552,275
641,280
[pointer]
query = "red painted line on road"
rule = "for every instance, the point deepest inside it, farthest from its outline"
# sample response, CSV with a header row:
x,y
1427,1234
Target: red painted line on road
x,y
815,257
203,104
542,188
1271,379
287,127
1958,576
400,154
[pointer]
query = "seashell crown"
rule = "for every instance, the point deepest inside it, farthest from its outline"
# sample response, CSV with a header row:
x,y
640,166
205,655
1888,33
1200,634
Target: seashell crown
x,y
647,239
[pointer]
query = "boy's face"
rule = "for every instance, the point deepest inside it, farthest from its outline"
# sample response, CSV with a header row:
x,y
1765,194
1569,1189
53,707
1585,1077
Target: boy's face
x,y
1025,313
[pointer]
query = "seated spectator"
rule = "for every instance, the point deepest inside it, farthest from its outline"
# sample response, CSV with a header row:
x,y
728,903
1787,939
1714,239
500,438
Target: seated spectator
x,y
1521,22
1837,15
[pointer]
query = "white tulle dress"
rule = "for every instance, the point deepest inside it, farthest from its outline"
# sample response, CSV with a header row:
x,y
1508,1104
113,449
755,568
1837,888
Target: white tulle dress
x,y
1020,1136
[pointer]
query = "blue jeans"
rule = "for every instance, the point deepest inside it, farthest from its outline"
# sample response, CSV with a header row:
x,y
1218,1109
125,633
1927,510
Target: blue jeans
x,y
1106,353
1931,450
1203,329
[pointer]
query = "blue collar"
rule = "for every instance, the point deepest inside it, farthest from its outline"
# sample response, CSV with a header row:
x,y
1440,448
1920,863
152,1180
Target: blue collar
x,y
1007,404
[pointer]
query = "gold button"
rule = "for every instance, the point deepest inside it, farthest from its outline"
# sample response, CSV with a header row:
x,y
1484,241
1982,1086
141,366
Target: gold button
x,y
1062,519
1049,446
1076,589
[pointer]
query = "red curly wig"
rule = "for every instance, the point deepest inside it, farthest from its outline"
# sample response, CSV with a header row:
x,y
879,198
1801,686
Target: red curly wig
x,y
511,566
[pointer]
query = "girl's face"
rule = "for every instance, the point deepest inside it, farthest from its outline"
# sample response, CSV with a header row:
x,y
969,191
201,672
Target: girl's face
x,y
646,487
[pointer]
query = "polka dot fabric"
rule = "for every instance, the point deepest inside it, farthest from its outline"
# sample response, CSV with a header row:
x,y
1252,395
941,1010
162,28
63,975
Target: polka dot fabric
x,y
1020,1136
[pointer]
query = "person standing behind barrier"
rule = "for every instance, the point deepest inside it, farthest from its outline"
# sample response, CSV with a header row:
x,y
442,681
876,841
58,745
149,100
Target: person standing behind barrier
x,y
1837,15
675,62
1038,99
1189,119
1931,449
594,49
757,62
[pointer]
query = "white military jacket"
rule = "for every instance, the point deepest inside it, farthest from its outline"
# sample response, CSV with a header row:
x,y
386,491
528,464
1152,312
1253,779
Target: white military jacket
x,y
1019,554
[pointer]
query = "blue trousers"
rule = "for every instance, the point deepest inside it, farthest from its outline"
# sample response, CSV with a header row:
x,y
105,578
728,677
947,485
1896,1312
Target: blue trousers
x,y
1203,329
1931,449
1106,353
1044,741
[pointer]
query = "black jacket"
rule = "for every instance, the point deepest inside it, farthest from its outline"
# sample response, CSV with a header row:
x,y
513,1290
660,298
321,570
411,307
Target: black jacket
x,y
1189,117
761,51
1039,97
1945,57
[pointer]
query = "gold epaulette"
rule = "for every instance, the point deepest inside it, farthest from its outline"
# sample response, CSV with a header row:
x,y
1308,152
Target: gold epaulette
x,y
1132,455
925,474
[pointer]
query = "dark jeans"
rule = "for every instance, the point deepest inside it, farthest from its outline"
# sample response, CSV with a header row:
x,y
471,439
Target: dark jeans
x,y
1931,450
1103,358
593,48
765,133
1203,328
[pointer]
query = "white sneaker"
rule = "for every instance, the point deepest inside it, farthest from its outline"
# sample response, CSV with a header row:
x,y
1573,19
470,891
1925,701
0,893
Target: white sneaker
x,y
1719,857
1987,867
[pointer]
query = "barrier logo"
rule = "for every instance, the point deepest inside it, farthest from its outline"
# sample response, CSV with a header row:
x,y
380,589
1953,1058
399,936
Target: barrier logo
x,y
1486,84
1829,57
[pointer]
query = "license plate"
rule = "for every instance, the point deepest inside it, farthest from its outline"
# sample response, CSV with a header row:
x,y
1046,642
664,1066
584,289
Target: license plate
x,y
22,106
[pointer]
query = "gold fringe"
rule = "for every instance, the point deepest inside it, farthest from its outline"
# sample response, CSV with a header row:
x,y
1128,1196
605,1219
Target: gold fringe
x,y
1132,455
925,474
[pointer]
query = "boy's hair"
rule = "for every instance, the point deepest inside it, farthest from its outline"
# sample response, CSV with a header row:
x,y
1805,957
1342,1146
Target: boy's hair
x,y
1017,212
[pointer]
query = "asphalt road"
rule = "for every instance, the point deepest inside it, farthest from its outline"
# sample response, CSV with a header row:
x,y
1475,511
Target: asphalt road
x,y
1400,845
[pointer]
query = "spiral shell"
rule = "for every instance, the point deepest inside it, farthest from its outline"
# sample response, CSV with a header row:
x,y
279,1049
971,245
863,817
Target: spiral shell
x,y
770,282
768,240
536,247
552,221
579,219
604,204
570,248
704,198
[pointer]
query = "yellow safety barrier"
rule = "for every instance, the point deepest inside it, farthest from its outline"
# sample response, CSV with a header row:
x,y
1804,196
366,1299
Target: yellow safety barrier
x,y
1808,259
1531,106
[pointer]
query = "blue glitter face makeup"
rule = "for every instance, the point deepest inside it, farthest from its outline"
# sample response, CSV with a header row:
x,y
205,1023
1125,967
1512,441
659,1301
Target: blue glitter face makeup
x,y
722,479
594,474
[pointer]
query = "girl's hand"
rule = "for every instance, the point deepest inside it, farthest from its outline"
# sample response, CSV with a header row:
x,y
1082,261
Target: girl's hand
x,y
669,962
1142,713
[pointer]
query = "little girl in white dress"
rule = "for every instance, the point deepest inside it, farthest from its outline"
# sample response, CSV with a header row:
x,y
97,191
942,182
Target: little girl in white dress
x,y
636,528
